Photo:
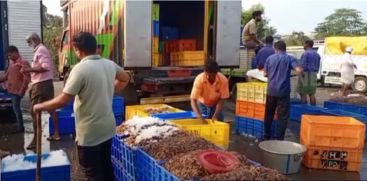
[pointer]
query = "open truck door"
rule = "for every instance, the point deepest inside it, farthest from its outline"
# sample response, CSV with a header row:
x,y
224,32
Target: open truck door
x,y
137,33
227,33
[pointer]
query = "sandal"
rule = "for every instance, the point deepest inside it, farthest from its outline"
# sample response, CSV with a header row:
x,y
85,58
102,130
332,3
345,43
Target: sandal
x,y
31,146
52,138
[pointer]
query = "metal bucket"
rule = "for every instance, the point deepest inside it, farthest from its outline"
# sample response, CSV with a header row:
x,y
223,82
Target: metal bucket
x,y
284,156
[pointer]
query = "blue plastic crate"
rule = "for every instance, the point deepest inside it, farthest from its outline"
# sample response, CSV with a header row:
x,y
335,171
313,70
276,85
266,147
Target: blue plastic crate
x,y
55,173
177,115
253,127
145,165
119,119
66,125
125,155
359,109
297,110
296,101
161,174
118,106
64,113
67,122
120,174
169,33
155,28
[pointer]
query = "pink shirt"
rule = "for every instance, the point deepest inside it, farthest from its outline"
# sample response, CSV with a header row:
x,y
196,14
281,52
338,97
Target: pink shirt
x,y
42,58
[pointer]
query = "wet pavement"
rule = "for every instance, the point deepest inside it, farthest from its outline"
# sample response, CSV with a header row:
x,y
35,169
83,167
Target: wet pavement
x,y
16,143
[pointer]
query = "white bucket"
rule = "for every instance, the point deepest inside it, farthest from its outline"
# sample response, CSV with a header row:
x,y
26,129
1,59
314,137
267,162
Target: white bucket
x,y
284,156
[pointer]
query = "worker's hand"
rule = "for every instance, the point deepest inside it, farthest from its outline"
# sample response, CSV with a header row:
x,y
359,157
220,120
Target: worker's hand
x,y
24,70
215,118
37,108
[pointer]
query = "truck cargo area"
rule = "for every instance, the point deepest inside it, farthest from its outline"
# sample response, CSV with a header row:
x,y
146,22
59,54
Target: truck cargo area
x,y
178,33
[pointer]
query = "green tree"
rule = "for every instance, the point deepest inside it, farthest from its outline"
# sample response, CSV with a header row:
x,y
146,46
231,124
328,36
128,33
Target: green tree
x,y
52,30
296,39
343,22
263,28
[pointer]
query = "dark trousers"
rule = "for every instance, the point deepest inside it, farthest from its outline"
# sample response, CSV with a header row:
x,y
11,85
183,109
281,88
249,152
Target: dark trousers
x,y
96,162
282,105
15,101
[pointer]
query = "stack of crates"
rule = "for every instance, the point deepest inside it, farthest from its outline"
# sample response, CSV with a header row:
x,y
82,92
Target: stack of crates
x,y
67,119
250,109
184,53
156,54
333,143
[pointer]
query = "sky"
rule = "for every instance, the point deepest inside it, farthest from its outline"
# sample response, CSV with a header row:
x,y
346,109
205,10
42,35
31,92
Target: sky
x,y
285,15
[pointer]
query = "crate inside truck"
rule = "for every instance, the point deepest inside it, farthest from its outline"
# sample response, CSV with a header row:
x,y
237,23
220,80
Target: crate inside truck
x,y
164,44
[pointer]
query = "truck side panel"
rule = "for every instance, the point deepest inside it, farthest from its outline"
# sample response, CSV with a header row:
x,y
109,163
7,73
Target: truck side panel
x,y
138,33
24,17
3,34
228,35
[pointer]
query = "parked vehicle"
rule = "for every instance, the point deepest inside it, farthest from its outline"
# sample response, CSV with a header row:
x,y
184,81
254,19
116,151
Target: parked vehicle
x,y
331,58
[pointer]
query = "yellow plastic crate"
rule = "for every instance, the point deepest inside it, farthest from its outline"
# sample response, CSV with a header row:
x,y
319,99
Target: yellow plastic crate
x,y
216,132
188,63
140,110
155,44
188,58
252,92
192,55
157,60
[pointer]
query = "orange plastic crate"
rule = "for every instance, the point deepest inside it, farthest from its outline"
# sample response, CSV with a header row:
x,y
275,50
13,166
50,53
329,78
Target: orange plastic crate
x,y
184,45
251,110
333,158
332,131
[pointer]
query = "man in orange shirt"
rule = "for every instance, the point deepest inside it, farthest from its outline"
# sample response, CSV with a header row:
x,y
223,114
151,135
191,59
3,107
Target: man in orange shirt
x,y
209,92
16,83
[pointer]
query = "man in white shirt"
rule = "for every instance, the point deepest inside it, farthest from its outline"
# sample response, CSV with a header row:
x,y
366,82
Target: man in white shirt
x,y
347,71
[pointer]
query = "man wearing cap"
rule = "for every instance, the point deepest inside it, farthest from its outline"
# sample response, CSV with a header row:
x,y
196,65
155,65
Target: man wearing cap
x,y
347,71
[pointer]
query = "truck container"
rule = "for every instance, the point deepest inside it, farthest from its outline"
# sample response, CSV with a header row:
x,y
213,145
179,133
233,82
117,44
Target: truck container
x,y
163,44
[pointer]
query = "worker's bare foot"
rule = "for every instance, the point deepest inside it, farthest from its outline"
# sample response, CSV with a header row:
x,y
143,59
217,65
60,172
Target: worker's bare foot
x,y
32,145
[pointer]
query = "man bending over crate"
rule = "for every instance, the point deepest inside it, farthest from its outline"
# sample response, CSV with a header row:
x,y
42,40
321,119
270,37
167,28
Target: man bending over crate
x,y
93,82
209,92
278,70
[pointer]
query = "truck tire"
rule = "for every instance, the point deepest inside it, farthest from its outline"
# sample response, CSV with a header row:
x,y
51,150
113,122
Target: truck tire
x,y
360,84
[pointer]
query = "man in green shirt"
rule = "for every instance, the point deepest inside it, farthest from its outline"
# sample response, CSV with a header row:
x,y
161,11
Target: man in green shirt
x,y
93,82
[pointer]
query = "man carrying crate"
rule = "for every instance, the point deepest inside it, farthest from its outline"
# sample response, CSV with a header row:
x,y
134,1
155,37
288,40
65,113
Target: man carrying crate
x,y
209,92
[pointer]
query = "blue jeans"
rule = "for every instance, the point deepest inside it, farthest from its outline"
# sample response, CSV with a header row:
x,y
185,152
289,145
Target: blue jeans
x,y
209,111
15,101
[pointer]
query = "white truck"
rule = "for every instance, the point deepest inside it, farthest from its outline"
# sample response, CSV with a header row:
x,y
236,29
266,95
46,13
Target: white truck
x,y
17,20
331,57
